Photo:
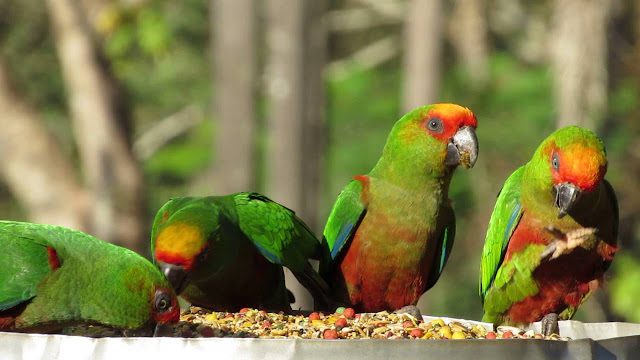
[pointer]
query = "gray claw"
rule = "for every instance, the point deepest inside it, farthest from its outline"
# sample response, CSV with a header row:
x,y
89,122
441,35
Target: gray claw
x,y
411,310
556,232
548,251
549,324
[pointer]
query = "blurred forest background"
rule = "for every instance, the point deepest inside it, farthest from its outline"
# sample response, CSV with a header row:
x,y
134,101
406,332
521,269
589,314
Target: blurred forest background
x,y
110,107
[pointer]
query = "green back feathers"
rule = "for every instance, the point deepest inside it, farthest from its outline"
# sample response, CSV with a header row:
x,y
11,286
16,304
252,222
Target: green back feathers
x,y
276,231
25,264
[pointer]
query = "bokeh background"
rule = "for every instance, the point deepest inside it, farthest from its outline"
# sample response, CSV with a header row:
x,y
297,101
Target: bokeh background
x,y
110,107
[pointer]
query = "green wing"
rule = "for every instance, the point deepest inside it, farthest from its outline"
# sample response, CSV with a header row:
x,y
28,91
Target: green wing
x,y
445,244
24,265
344,218
504,219
275,230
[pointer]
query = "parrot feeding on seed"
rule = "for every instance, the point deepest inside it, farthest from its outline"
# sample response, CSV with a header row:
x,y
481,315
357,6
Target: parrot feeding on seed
x,y
226,252
552,234
52,278
390,232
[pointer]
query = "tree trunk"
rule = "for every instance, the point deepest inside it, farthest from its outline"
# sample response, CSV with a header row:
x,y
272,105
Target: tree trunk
x,y
468,33
234,76
314,132
579,60
422,60
422,53
296,41
113,177
34,167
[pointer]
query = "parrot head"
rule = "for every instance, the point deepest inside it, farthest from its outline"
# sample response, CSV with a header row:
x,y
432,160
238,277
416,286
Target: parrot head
x,y
438,137
166,310
165,306
182,234
575,162
143,300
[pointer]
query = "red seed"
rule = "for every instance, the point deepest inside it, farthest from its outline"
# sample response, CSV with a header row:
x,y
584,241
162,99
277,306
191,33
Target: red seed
x,y
205,331
330,334
341,322
417,333
243,310
314,316
490,335
507,335
407,323
349,313
266,324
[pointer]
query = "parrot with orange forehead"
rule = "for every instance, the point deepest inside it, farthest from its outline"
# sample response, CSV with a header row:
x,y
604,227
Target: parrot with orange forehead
x,y
227,252
390,232
552,234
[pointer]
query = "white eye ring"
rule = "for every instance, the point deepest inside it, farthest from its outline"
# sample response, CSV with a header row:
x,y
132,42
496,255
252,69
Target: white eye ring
x,y
435,125
162,302
555,161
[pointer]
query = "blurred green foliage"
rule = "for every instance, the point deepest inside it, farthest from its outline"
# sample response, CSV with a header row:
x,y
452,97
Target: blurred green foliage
x,y
160,54
625,287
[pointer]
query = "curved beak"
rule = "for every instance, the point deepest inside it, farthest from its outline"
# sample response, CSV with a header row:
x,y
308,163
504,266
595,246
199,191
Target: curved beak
x,y
163,330
176,275
463,148
566,196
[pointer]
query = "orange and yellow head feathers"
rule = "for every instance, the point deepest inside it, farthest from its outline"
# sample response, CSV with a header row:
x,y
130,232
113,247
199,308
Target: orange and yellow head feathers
x,y
432,139
575,155
179,244
453,117
181,232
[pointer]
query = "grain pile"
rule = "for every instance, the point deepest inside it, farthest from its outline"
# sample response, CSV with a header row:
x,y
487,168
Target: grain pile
x,y
343,324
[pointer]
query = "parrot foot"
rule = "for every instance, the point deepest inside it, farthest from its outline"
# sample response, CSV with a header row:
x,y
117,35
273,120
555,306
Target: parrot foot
x,y
549,324
566,242
410,310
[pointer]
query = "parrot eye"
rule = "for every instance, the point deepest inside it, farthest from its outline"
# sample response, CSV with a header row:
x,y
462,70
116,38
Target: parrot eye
x,y
435,125
162,301
555,161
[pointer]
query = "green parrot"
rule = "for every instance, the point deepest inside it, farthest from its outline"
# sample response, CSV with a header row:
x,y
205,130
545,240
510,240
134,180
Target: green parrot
x,y
390,232
52,278
227,252
552,234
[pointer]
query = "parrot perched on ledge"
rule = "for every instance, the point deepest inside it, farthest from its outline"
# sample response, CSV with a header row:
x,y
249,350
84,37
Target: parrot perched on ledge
x,y
552,234
52,278
226,252
390,232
